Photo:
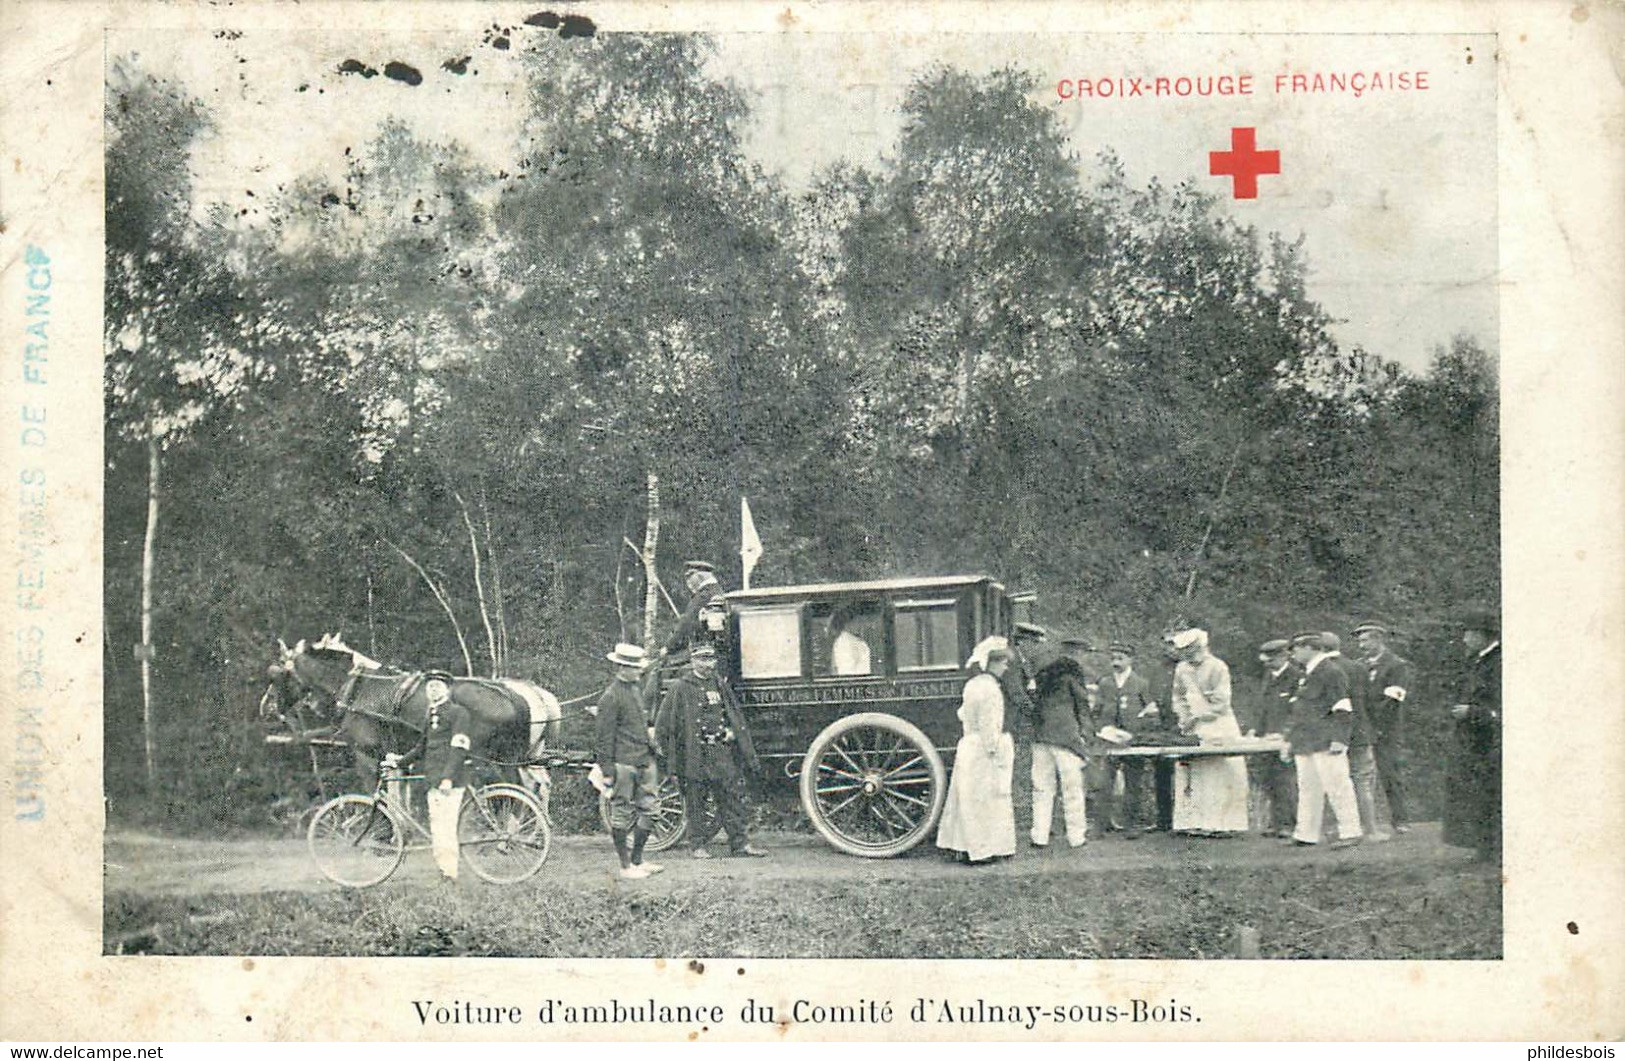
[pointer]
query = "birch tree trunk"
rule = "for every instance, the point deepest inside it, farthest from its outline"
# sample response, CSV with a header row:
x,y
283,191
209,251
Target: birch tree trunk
x,y
497,602
965,387
479,587
651,538
147,546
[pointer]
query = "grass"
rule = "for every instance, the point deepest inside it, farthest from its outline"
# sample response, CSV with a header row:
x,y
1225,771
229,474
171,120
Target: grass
x,y
1312,911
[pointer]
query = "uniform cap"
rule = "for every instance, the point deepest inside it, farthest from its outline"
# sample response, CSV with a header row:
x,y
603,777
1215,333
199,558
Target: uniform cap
x,y
699,565
1030,632
702,651
1122,647
1311,638
1370,628
1279,644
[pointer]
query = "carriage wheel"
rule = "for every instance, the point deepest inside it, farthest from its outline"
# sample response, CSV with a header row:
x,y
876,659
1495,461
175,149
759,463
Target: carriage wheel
x,y
355,841
670,815
872,785
503,833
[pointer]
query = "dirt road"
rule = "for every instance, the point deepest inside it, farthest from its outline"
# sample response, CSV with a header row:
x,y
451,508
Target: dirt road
x,y
147,865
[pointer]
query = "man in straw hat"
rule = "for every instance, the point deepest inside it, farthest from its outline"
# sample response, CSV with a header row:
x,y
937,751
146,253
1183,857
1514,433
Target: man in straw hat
x,y
1060,716
625,750
1472,814
1322,718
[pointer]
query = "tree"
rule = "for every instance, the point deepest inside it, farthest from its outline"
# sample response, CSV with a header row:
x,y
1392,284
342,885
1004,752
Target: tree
x,y
178,342
655,321
391,268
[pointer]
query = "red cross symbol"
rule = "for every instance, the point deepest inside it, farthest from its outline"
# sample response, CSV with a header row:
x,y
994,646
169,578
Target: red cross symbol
x,y
1243,162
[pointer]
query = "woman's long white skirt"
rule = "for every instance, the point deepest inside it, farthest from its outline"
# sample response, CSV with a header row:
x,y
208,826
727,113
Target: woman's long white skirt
x,y
1210,795
979,817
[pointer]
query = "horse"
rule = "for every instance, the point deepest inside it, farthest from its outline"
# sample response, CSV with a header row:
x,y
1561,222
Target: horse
x,y
379,711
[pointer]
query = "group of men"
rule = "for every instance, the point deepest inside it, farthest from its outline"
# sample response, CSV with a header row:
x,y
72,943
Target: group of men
x,y
1341,723
1344,725
691,726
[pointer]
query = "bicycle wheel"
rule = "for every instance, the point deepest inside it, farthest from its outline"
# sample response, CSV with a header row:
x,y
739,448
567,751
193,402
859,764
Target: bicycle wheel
x,y
503,834
355,841
670,818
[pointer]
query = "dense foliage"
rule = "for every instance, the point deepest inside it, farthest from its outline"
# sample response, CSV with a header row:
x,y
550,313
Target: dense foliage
x,y
981,354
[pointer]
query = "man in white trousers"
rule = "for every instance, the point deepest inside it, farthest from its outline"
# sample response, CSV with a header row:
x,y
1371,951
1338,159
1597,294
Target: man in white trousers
x,y
1059,714
1318,743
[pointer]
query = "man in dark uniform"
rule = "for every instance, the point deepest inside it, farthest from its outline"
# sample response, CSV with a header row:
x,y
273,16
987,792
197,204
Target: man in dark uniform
x,y
1388,681
707,746
1362,759
1019,681
1472,813
624,746
700,622
700,619
1126,702
1278,780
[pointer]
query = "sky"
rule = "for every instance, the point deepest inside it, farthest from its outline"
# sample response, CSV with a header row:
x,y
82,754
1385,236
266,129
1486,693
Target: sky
x,y
1393,189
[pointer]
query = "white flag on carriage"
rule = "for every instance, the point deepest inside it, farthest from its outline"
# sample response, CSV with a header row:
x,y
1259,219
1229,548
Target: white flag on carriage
x,y
750,546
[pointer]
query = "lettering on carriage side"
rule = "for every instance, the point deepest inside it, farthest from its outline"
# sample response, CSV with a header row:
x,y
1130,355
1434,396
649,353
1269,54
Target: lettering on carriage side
x,y
810,695
33,512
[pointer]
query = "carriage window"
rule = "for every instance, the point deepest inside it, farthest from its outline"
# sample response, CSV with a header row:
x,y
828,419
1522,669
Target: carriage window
x,y
928,635
770,643
847,638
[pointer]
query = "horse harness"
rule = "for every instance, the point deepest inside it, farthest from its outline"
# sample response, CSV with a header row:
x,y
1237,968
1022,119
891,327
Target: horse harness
x,y
405,686
436,684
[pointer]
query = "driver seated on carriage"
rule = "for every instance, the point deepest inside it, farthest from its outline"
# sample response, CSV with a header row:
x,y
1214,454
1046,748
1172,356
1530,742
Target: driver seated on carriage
x,y
702,619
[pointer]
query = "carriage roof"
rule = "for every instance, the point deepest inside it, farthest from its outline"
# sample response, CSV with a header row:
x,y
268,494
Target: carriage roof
x,y
838,589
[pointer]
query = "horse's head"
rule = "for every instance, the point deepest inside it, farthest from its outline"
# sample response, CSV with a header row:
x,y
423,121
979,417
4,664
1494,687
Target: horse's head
x,y
279,695
309,675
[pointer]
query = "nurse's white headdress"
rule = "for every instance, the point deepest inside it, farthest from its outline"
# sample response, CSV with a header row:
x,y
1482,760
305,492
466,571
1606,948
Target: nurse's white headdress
x,y
985,648
1187,638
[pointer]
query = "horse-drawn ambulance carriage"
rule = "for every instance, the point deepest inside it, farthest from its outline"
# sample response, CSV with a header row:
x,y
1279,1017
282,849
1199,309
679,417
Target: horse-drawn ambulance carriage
x,y
850,690
853,690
